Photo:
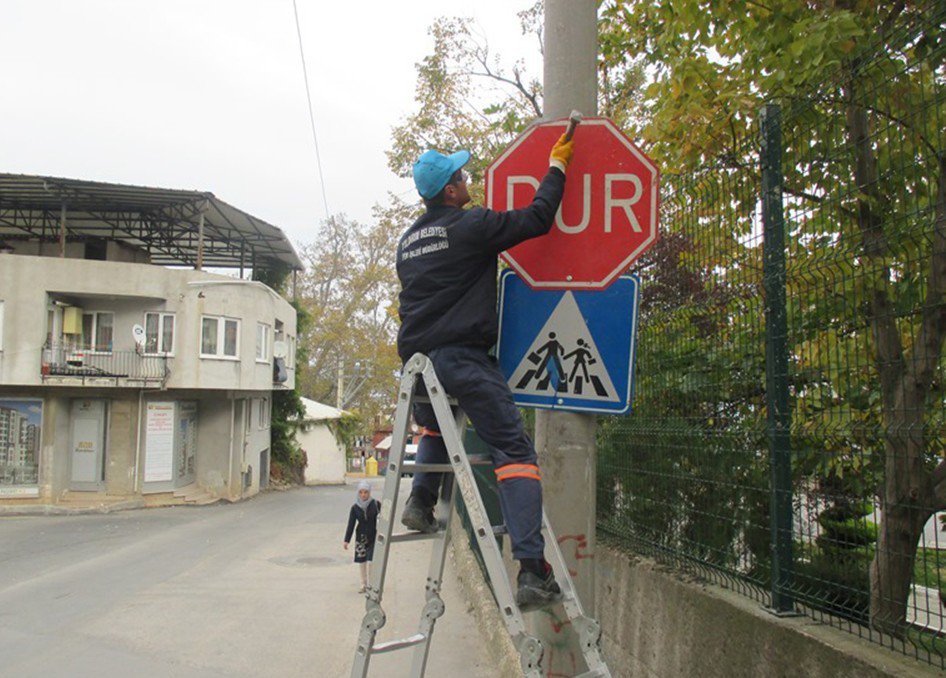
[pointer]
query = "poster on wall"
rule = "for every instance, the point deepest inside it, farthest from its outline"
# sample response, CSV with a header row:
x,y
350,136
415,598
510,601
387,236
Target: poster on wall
x,y
159,442
21,425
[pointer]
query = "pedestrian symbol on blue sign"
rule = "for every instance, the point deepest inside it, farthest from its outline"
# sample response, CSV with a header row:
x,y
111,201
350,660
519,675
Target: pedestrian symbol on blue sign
x,y
564,358
570,350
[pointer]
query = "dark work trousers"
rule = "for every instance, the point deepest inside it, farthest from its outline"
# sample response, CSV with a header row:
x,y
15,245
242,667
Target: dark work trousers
x,y
472,376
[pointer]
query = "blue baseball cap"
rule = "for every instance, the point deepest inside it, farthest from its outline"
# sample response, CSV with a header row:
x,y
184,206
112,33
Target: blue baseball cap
x,y
433,170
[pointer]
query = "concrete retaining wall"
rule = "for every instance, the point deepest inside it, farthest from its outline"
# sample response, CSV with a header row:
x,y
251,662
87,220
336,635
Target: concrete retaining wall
x,y
657,624
481,604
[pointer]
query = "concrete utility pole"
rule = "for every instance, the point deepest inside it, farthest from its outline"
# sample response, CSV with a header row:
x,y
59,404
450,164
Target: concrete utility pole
x,y
565,441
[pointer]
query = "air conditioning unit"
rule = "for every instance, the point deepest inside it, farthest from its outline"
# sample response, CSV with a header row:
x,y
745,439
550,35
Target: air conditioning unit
x,y
72,320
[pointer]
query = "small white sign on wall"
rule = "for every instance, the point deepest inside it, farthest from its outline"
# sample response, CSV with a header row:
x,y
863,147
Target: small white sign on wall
x,y
159,442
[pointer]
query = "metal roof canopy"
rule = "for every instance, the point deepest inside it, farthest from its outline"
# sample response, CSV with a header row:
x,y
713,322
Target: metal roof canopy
x,y
166,223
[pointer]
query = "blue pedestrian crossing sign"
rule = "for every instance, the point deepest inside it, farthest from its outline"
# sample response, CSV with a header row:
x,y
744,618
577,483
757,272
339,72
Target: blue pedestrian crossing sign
x,y
569,350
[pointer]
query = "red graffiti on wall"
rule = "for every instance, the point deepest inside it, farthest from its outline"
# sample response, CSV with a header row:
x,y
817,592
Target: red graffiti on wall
x,y
581,543
563,658
557,623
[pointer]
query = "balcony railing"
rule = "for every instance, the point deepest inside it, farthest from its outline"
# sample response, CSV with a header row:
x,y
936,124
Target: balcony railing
x,y
88,363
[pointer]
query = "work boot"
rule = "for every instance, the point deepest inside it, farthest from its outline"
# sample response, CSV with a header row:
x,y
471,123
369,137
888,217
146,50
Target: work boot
x,y
419,515
537,585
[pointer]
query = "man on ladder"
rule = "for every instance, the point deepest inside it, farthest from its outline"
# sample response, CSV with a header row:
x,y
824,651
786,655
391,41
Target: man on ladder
x,y
447,266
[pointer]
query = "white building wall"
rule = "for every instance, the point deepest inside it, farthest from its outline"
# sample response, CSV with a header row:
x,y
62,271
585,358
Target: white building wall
x,y
325,455
256,447
130,290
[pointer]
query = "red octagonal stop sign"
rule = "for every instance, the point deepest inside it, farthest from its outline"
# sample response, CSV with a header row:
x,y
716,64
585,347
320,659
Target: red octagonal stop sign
x,y
608,216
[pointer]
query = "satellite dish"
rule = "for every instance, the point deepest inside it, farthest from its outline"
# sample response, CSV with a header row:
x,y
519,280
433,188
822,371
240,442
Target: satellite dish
x,y
138,332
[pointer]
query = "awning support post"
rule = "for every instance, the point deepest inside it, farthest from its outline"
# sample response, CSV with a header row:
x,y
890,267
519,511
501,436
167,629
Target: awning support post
x,y
200,242
62,231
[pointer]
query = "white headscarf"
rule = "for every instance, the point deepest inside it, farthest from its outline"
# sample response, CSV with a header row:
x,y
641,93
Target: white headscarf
x,y
363,503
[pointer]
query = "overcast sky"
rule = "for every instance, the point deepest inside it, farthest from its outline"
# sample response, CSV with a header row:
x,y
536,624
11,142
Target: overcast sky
x,y
209,95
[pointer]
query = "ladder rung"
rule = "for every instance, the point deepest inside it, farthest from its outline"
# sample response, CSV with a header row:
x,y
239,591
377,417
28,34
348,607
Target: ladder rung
x,y
414,467
415,536
451,401
392,645
502,529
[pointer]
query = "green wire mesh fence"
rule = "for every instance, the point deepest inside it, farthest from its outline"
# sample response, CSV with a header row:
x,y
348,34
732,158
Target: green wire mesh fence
x,y
789,424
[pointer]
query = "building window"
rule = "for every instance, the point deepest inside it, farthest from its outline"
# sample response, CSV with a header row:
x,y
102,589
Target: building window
x,y
159,333
262,343
97,329
263,417
219,337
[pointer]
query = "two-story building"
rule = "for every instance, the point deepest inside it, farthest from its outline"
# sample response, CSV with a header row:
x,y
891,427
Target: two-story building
x,y
128,371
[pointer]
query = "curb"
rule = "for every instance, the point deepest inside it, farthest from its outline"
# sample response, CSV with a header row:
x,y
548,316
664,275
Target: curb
x,y
53,510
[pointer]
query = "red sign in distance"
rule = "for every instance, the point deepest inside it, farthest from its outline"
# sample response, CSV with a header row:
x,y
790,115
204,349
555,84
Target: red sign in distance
x,y
608,216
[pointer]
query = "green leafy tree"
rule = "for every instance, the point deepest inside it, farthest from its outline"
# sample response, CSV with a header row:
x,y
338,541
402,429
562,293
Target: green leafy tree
x,y
349,290
467,98
867,70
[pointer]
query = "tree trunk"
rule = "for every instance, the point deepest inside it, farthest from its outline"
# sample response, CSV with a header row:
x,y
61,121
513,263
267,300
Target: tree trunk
x,y
906,504
908,495
891,572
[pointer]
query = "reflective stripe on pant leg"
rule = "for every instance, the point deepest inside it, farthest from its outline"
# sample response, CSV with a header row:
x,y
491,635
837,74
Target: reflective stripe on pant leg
x,y
508,471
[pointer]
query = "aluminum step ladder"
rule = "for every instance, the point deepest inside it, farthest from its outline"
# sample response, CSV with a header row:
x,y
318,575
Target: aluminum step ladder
x,y
451,427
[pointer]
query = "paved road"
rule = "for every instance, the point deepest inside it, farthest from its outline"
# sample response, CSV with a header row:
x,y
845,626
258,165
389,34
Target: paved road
x,y
259,588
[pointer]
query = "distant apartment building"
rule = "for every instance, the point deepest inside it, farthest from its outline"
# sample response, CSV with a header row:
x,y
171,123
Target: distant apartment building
x,y
127,369
19,447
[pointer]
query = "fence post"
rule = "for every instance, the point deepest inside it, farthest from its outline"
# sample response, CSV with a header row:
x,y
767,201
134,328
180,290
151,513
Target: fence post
x,y
776,361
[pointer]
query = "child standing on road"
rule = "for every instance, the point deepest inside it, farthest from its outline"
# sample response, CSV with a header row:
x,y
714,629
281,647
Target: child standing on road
x,y
364,512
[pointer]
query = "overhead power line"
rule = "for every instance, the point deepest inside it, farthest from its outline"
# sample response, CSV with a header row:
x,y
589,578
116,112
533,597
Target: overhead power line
x,y
308,96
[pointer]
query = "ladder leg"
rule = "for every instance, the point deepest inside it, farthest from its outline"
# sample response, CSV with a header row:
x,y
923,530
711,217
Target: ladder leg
x,y
530,656
374,617
530,648
588,629
373,620
434,607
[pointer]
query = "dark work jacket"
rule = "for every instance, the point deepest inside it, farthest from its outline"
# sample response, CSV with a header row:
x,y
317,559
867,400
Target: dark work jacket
x,y
367,520
446,263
